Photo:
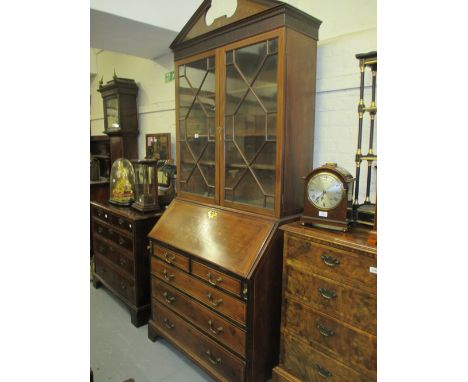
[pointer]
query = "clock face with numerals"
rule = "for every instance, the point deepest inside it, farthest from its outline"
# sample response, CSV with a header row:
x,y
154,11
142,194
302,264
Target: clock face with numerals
x,y
325,191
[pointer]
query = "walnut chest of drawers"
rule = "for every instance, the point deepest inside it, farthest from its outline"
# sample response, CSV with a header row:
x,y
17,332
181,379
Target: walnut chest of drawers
x,y
121,257
328,319
216,288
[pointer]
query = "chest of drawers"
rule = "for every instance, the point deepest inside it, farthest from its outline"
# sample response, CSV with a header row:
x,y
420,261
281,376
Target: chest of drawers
x,y
216,287
329,307
121,257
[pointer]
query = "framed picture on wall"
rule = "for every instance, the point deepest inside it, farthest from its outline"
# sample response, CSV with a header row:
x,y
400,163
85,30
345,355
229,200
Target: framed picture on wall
x,y
158,146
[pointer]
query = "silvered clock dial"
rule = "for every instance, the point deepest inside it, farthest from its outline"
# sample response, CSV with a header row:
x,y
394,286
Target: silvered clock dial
x,y
325,191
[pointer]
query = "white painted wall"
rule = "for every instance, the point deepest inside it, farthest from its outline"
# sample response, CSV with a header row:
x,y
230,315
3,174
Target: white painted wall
x,y
349,27
336,117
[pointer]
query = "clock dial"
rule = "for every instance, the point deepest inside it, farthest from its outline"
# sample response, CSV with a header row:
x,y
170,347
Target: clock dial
x,y
112,111
325,191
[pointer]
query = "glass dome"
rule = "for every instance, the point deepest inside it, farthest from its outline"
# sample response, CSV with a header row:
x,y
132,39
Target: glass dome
x,y
146,185
122,183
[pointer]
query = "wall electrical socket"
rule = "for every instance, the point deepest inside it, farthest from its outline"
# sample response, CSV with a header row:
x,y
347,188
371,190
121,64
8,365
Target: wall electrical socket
x,y
169,76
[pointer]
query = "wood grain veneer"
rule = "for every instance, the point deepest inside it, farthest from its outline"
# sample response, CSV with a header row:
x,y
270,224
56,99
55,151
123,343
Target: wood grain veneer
x,y
329,308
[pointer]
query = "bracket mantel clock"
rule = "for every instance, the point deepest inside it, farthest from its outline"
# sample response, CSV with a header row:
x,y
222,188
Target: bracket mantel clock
x,y
328,197
120,116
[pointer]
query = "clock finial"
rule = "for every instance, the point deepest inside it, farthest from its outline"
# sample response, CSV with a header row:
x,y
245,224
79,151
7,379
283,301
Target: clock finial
x,y
101,81
115,75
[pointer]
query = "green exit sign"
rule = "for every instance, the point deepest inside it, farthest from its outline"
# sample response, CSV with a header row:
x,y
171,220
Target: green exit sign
x,y
169,76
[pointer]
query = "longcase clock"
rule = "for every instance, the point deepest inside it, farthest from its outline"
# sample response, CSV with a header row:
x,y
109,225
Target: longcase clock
x,y
120,117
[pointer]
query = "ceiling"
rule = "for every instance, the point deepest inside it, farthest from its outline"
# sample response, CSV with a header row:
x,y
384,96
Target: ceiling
x,y
146,29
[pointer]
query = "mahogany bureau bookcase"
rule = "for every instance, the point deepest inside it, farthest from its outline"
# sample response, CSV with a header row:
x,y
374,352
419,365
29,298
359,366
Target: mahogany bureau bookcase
x,y
329,309
245,103
121,257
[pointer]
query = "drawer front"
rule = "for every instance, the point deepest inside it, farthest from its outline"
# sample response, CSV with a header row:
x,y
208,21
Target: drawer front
x,y
208,295
113,219
346,267
113,253
330,335
172,258
281,375
120,285
207,352
112,234
216,278
122,223
349,304
200,316
308,364
102,214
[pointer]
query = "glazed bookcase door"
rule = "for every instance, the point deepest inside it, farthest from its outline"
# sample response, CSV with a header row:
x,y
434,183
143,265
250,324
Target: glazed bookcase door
x,y
196,133
250,110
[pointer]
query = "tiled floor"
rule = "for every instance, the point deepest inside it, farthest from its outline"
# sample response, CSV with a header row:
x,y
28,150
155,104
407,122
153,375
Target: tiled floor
x,y
120,351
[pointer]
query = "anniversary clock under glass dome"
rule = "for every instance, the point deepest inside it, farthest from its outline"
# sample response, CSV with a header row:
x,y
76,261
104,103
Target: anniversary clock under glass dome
x,y
122,183
146,185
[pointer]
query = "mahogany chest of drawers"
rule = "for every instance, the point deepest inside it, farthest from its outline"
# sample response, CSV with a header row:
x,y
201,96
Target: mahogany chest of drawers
x,y
329,308
121,256
216,289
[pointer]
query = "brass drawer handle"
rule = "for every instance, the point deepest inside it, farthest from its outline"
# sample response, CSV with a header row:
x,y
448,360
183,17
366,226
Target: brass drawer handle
x,y
120,221
168,324
216,282
123,261
99,229
168,259
214,302
324,331
322,371
214,361
169,299
167,275
121,240
214,330
99,212
123,285
330,261
327,293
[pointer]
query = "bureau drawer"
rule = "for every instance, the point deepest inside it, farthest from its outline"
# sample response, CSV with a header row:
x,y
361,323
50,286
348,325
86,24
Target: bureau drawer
x,y
308,364
330,335
112,234
335,299
172,258
216,278
208,295
339,265
120,285
212,356
113,253
200,316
